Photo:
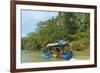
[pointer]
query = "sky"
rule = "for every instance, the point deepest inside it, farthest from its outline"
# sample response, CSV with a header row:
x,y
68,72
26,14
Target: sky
x,y
30,19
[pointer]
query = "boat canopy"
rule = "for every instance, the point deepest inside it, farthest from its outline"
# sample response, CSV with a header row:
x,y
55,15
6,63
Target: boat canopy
x,y
56,44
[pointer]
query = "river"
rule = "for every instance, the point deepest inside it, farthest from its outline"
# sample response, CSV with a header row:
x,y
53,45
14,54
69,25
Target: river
x,y
34,56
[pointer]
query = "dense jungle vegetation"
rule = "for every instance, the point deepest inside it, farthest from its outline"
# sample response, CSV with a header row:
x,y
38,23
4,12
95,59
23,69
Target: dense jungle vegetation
x,y
68,26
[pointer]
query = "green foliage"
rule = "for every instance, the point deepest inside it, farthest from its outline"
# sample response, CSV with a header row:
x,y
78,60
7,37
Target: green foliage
x,y
69,26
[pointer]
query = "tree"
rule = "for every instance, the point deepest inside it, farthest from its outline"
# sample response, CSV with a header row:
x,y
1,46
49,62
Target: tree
x,y
69,26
